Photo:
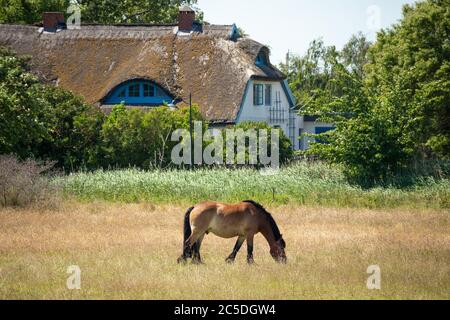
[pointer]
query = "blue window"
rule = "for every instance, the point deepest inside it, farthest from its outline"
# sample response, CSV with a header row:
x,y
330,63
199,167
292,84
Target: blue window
x,y
258,94
320,130
134,90
261,59
149,90
138,92
234,34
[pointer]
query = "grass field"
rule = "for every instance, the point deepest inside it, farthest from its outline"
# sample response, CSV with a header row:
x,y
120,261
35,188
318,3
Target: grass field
x,y
129,251
311,184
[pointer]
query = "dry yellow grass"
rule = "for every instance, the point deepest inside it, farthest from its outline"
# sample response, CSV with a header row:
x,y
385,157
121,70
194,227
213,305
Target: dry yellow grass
x,y
130,252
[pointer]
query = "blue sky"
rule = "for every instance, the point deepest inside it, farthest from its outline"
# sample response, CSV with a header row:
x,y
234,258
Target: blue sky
x,y
292,24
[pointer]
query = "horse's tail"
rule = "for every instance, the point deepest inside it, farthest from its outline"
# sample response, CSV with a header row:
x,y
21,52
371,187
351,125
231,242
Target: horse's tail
x,y
187,224
187,252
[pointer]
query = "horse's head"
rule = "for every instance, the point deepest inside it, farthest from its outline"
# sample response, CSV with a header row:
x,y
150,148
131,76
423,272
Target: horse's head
x,y
277,251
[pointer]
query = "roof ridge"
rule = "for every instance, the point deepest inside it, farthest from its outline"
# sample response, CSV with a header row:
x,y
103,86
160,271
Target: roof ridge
x,y
104,56
93,24
130,24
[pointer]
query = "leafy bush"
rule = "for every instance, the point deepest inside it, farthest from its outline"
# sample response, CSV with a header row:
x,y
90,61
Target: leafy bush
x,y
23,183
286,152
22,123
73,127
43,121
134,138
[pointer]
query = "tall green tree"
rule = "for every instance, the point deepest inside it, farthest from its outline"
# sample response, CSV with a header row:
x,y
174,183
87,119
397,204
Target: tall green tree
x,y
132,11
43,121
22,125
95,11
29,11
366,139
410,63
354,55
398,111
311,74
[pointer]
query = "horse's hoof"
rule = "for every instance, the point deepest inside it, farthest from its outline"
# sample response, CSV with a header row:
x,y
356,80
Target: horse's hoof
x,y
229,261
198,263
181,260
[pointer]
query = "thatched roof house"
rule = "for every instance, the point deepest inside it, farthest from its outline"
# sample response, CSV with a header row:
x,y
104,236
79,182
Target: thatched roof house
x,y
213,63
230,77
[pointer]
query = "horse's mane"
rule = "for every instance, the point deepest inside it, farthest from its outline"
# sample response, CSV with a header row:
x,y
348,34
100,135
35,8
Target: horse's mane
x,y
276,232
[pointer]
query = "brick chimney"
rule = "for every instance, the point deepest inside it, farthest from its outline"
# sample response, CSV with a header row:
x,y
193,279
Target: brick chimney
x,y
53,21
186,19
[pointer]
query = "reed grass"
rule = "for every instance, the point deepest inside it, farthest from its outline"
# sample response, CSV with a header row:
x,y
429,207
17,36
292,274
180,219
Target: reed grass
x,y
311,184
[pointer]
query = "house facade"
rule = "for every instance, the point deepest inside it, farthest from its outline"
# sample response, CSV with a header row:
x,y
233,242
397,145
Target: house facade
x,y
229,76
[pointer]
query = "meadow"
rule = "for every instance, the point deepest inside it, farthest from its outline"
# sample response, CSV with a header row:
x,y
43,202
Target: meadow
x,y
124,231
129,251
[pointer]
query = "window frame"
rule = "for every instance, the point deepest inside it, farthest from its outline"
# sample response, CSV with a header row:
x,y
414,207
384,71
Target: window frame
x,y
136,94
151,88
258,94
158,96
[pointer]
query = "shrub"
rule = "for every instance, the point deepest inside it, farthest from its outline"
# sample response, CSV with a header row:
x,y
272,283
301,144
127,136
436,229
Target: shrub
x,y
286,152
23,183
21,123
136,138
73,128
43,121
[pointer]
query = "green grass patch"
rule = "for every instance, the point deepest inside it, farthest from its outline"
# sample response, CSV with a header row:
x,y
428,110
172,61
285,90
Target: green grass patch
x,y
312,184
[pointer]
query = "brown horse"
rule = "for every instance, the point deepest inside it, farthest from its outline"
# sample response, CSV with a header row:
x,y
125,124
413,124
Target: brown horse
x,y
243,220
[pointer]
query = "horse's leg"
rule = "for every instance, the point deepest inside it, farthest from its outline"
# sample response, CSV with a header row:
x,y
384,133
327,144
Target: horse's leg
x,y
236,249
187,252
192,242
250,238
196,249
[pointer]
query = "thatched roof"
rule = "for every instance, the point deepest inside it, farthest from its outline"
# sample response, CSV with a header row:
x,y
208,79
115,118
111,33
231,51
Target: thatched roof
x,y
95,59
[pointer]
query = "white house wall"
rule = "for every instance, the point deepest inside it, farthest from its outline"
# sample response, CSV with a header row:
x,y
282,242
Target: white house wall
x,y
250,112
